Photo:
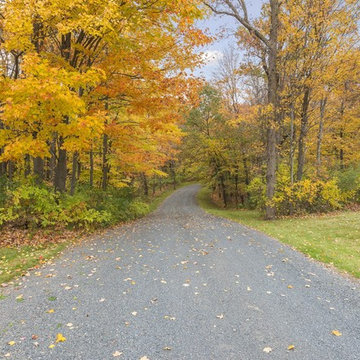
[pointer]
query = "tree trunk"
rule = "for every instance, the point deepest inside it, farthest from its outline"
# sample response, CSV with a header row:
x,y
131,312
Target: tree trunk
x,y
154,185
292,140
39,169
341,156
10,170
27,165
223,190
105,165
320,136
173,174
60,168
236,178
271,134
2,165
91,178
52,160
302,135
145,184
73,173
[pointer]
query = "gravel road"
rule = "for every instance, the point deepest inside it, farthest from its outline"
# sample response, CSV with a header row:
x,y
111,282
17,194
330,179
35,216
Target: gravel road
x,y
181,284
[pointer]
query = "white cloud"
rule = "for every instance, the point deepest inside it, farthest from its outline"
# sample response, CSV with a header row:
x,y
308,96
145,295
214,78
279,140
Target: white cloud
x,y
211,57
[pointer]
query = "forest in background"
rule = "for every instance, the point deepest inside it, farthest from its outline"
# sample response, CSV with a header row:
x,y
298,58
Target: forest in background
x,y
277,129
99,108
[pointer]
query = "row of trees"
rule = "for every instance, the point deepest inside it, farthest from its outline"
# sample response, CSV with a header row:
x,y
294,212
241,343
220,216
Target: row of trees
x,y
93,91
287,114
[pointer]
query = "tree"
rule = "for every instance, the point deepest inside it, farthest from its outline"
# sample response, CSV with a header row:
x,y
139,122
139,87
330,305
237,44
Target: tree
x,y
270,43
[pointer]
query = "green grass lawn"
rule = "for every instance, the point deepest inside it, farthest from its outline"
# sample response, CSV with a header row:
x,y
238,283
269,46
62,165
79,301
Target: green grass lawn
x,y
331,238
16,261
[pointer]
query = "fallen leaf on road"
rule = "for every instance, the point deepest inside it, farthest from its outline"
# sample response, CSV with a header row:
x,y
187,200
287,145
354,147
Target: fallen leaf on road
x,y
166,348
60,338
267,350
291,347
117,353
144,358
50,311
11,343
290,286
134,313
221,316
336,333
51,346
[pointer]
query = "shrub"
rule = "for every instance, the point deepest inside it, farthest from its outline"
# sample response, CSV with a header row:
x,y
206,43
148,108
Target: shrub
x,y
76,212
307,196
257,192
349,183
30,206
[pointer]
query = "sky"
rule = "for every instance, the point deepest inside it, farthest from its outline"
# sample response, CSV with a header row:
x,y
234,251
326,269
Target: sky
x,y
217,25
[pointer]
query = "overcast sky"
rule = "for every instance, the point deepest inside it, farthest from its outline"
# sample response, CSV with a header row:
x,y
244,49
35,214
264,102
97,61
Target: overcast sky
x,y
225,25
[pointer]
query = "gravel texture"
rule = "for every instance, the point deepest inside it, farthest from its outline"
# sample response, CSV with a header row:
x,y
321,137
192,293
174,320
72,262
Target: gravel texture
x,y
182,284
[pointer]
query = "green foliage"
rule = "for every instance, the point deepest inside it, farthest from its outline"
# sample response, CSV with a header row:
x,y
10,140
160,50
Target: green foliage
x,y
3,183
349,183
31,206
257,192
76,212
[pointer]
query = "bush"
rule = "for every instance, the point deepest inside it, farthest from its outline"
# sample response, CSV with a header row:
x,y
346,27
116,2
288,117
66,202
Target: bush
x,y
31,206
308,196
349,183
76,212
257,192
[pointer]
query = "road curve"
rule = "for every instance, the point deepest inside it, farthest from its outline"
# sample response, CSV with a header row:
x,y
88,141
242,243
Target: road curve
x,y
181,284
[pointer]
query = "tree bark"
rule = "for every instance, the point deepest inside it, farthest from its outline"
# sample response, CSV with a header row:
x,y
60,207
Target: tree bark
x,y
39,166
52,160
271,148
223,190
302,135
105,165
292,140
320,136
27,165
91,177
10,171
74,173
173,174
61,168
145,184
236,178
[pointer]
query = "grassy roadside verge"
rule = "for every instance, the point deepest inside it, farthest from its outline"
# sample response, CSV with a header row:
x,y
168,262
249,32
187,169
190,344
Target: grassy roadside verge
x,y
332,238
15,261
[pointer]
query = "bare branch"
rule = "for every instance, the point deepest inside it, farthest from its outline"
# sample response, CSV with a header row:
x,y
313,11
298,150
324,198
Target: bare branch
x,y
242,19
